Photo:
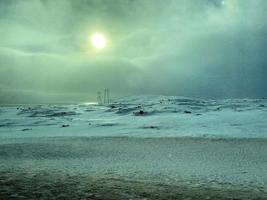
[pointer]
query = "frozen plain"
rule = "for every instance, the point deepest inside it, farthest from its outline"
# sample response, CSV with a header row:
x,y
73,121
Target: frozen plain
x,y
166,140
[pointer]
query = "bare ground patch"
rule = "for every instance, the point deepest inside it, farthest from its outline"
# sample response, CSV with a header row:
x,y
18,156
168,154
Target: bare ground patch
x,y
44,185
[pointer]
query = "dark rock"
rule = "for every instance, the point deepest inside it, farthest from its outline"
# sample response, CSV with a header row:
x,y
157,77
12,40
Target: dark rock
x,y
187,112
139,113
65,125
151,127
26,129
60,114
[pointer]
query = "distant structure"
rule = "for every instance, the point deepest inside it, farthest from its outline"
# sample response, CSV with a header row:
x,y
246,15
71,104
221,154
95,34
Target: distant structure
x,y
99,98
106,97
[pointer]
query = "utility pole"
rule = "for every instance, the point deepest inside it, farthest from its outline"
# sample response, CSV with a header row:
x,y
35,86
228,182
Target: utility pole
x,y
105,96
108,99
99,98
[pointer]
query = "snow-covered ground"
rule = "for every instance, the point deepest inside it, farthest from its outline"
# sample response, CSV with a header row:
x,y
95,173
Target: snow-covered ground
x,y
164,139
142,116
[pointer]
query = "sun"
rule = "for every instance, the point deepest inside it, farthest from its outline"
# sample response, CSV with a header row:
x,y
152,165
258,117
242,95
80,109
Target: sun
x,y
98,40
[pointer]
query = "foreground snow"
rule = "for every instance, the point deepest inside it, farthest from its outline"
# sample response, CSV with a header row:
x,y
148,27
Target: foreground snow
x,y
142,116
133,168
166,160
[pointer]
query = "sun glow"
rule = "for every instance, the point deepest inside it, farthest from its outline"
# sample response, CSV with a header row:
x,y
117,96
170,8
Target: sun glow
x,y
98,40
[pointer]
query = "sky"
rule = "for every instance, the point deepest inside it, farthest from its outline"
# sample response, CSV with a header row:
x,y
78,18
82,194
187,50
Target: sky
x,y
194,48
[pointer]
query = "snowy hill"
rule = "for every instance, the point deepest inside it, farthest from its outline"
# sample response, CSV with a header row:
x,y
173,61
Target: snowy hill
x,y
139,116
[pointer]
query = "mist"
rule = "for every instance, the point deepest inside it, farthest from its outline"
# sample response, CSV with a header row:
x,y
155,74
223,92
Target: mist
x,y
205,48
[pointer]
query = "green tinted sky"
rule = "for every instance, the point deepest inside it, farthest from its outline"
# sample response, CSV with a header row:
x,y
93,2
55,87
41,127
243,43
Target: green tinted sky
x,y
202,48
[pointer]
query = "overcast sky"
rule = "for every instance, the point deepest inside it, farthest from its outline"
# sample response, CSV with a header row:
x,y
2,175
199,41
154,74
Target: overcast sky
x,y
195,48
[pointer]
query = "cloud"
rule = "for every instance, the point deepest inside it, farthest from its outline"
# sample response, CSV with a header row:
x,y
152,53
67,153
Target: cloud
x,y
23,73
175,47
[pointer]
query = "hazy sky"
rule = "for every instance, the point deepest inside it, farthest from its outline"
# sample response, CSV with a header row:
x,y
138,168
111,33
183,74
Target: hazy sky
x,y
198,48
